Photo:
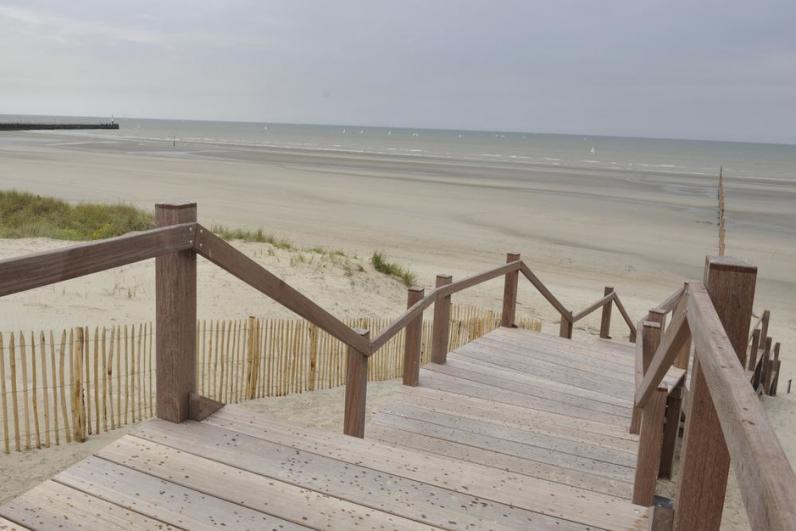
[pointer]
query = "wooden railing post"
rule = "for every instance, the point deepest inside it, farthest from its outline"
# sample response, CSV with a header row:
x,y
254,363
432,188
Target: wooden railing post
x,y
658,315
649,449
508,317
650,340
605,321
754,350
565,330
356,389
175,315
671,428
412,340
705,459
441,327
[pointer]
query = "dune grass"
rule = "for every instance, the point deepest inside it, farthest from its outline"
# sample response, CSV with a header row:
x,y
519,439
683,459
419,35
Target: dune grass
x,y
24,215
383,265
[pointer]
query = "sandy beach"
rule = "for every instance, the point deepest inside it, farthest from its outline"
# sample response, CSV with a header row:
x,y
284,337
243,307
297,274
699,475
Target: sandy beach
x,y
642,232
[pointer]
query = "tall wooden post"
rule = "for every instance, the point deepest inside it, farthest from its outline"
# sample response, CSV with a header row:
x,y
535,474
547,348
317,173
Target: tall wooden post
x,y
658,315
649,449
605,321
175,315
441,327
650,340
565,330
356,389
705,460
412,340
508,317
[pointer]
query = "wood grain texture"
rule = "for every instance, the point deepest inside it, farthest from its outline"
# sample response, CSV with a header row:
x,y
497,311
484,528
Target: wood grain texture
x,y
769,484
671,430
175,316
677,335
649,449
621,307
601,303
356,390
49,267
605,318
442,315
509,312
720,311
412,340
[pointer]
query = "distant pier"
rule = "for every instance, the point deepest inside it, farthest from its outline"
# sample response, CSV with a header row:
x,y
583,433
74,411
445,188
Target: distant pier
x,y
19,126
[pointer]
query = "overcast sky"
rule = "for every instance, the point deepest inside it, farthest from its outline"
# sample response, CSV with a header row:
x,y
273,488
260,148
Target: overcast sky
x,y
717,69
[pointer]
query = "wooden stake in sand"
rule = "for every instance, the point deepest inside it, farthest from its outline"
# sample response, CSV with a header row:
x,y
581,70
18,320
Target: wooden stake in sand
x,y
6,442
78,413
23,357
33,389
61,371
45,396
55,388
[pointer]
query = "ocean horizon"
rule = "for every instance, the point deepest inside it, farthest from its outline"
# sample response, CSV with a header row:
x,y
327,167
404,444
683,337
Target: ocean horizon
x,y
742,160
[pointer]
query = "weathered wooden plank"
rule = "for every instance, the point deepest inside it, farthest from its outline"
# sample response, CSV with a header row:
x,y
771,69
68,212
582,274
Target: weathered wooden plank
x,y
534,380
615,387
610,353
649,452
510,284
55,506
8,525
769,485
441,330
605,318
241,266
370,486
40,269
677,334
175,315
248,489
457,386
560,445
486,483
553,423
412,340
509,447
472,375
356,390
164,500
559,357
517,465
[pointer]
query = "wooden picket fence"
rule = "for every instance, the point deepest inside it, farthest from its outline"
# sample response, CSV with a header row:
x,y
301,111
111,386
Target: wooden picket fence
x,y
64,387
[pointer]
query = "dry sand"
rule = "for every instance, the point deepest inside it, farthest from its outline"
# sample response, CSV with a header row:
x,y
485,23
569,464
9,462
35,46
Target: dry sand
x,y
644,234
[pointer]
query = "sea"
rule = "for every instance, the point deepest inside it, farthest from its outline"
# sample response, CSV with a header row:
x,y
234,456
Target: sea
x,y
773,162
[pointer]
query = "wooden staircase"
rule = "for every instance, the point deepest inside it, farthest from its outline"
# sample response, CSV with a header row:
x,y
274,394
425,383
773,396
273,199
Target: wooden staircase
x,y
518,430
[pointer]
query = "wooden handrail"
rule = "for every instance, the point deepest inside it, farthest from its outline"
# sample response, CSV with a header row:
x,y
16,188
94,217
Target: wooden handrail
x,y
541,288
671,301
626,317
238,264
599,304
676,335
432,296
768,484
49,267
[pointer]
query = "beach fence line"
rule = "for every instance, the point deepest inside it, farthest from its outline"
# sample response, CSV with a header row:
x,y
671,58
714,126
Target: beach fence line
x,y
62,387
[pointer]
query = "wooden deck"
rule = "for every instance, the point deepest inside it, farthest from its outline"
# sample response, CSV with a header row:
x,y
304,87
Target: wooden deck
x,y
518,430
